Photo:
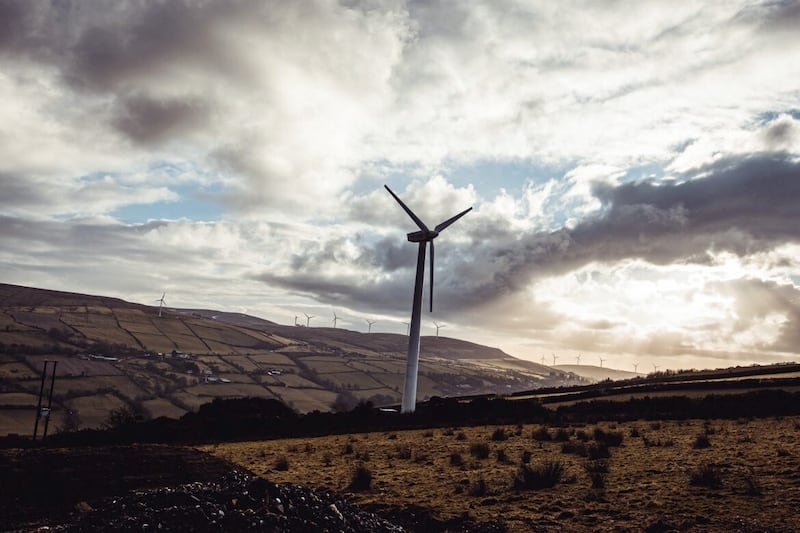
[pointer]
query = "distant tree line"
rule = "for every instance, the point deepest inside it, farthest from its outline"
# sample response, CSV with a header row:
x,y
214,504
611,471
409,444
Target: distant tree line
x,y
259,418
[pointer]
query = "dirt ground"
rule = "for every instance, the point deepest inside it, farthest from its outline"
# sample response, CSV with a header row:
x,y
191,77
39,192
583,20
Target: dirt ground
x,y
661,477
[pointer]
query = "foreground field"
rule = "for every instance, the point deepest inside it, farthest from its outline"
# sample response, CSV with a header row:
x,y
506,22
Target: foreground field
x,y
686,475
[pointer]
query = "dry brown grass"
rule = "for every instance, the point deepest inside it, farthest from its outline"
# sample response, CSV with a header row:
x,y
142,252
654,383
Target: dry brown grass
x,y
644,484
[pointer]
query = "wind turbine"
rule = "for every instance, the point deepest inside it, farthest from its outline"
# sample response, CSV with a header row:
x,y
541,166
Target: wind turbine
x,y
423,237
370,322
655,368
579,359
308,319
161,301
295,320
554,359
601,361
335,318
636,367
438,327
542,359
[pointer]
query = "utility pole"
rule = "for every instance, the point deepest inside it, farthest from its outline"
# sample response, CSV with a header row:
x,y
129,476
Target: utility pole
x,y
47,410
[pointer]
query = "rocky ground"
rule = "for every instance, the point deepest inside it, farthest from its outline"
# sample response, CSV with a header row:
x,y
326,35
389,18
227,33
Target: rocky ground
x,y
164,488
159,488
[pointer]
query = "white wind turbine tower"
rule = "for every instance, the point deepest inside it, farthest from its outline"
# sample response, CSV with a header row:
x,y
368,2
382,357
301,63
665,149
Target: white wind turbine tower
x,y
369,327
636,367
542,359
335,318
308,319
423,237
601,361
554,359
579,359
438,327
161,301
655,368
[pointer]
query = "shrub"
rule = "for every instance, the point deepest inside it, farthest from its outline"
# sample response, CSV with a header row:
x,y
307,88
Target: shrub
x,y
634,432
420,457
502,457
461,436
392,436
561,435
542,476
666,443
706,475
327,459
428,434
541,434
456,459
582,436
655,426
362,456
608,438
783,452
348,449
499,434
478,488
281,464
702,441
403,452
361,480
751,485
596,466
577,448
526,457
479,450
597,451
598,480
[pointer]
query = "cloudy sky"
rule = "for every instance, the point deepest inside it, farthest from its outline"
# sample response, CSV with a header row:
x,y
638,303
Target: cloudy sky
x,y
633,167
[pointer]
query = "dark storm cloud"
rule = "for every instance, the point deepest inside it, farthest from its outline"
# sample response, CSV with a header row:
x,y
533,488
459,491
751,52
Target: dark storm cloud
x,y
739,205
742,205
147,120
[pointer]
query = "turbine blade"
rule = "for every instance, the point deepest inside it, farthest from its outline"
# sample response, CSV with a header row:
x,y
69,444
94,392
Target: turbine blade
x,y
449,221
414,217
431,299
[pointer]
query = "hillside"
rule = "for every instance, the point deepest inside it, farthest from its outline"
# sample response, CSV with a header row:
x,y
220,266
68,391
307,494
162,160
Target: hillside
x,y
112,354
595,373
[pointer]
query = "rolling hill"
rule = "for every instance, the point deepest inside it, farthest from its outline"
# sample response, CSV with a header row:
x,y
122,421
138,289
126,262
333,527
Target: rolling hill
x,y
594,374
113,354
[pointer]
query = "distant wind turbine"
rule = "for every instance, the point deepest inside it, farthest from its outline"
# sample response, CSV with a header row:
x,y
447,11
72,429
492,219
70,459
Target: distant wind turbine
x,y
370,322
161,301
542,359
554,359
655,368
308,319
601,361
579,358
438,327
636,367
335,318
295,320
423,237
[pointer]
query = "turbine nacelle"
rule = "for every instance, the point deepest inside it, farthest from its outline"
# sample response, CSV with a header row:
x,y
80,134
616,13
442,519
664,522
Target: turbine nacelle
x,y
422,236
